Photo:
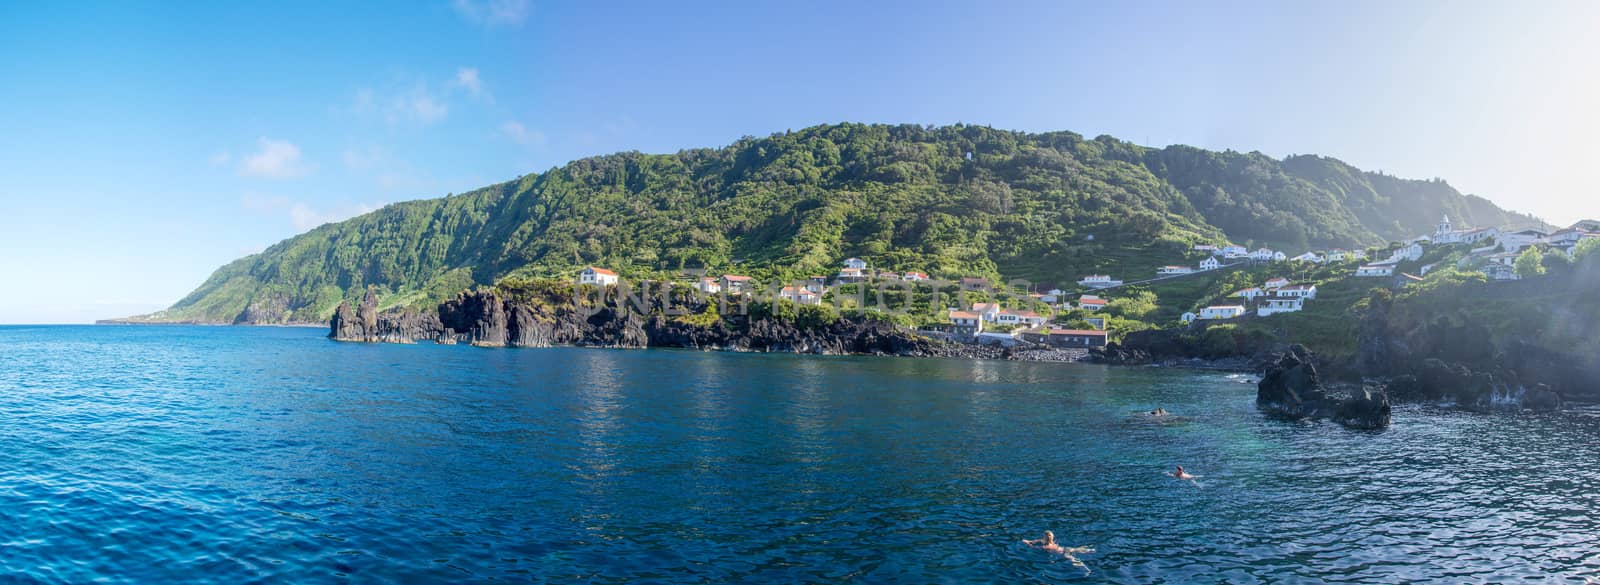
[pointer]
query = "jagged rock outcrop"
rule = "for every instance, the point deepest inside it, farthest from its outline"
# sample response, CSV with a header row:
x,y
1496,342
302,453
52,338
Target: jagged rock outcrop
x,y
487,319
1291,387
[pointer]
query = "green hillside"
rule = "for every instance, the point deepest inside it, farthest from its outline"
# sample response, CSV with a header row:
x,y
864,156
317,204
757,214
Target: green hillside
x,y
951,201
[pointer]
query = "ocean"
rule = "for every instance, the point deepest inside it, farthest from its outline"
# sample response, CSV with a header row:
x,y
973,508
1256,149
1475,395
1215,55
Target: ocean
x,y
235,455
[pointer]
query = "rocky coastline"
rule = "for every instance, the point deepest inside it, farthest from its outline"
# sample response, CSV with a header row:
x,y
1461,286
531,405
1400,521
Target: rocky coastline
x,y
488,319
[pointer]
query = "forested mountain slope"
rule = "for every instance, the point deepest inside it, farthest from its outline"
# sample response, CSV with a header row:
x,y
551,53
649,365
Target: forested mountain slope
x,y
950,201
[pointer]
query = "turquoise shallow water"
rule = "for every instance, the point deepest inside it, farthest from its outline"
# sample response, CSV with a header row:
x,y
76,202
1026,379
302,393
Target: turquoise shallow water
x,y
233,455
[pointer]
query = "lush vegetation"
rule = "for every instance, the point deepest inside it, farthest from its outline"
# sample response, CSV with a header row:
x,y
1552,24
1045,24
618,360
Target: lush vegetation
x,y
950,201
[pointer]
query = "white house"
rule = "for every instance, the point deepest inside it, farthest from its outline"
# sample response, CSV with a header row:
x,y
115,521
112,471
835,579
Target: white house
x,y
851,275
1358,254
1564,238
1413,252
1500,272
1249,293
736,284
708,285
1338,255
916,276
1205,248
597,277
1304,291
1099,281
1210,263
1309,257
1506,258
1276,283
1263,255
1012,317
1188,318
1371,270
1274,305
855,263
1221,312
1232,252
817,284
799,295
987,311
1519,240
1091,304
966,322
1173,270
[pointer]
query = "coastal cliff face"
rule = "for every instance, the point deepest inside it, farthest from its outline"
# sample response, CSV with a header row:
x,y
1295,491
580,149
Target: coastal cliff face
x,y
1291,387
489,319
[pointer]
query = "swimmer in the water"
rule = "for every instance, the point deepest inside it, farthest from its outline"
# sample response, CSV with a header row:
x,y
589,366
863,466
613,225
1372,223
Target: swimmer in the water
x,y
1184,475
1047,543
1159,412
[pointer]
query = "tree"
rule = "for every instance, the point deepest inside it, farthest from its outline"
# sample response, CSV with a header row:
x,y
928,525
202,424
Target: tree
x,y
1530,263
1585,247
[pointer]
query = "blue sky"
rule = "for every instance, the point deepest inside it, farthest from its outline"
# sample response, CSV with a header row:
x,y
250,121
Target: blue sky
x,y
146,145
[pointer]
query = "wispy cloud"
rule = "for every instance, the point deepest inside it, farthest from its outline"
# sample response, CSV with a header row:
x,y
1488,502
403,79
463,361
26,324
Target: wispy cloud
x,y
521,134
302,215
493,12
273,159
467,78
414,105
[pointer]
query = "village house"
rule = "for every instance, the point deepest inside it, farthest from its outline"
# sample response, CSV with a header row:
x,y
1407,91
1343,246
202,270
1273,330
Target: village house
x,y
1221,312
1091,304
855,263
597,277
1338,255
1309,257
1249,294
886,275
1015,317
1500,272
1518,241
1208,248
1235,252
1076,338
708,285
817,284
1370,270
1274,305
850,275
1506,258
1304,291
1276,283
1266,255
1099,281
1188,318
987,311
1358,254
735,284
1210,263
916,276
1565,238
799,295
965,323
1173,270
1052,296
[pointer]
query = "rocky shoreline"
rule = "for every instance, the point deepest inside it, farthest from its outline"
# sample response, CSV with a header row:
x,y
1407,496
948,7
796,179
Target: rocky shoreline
x,y
486,319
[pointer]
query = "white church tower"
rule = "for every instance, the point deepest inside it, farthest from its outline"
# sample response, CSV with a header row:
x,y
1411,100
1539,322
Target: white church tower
x,y
1444,227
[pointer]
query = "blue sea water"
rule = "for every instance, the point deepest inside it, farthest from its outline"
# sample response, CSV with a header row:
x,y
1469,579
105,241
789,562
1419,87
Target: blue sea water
x,y
237,455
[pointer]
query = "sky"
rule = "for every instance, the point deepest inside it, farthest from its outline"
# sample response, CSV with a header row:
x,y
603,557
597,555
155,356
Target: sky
x,y
143,145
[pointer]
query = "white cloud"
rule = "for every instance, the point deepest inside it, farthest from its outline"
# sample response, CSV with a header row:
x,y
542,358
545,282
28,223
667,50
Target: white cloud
x,y
521,134
416,105
302,215
467,78
305,217
275,159
493,12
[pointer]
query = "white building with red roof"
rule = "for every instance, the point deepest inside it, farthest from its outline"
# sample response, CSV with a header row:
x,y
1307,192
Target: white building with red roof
x,y
596,276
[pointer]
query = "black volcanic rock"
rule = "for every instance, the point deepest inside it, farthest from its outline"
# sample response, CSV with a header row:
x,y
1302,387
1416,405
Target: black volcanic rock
x,y
1291,387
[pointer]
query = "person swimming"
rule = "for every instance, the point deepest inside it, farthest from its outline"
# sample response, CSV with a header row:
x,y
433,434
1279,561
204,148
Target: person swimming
x,y
1159,412
1047,543
1181,474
